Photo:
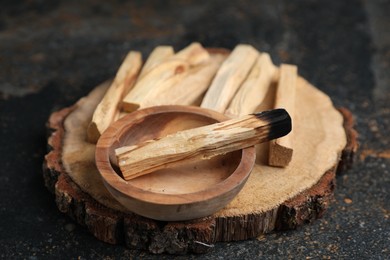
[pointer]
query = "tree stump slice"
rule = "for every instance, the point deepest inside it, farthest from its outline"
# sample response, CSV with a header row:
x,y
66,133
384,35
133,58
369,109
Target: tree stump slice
x,y
272,199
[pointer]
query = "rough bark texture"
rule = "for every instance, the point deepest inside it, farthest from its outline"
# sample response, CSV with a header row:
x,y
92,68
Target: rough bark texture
x,y
197,236
308,205
348,154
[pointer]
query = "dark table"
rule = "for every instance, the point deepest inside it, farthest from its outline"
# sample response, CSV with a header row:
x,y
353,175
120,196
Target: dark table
x,y
54,52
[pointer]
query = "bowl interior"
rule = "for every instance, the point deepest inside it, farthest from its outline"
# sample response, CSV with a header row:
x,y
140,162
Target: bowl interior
x,y
188,178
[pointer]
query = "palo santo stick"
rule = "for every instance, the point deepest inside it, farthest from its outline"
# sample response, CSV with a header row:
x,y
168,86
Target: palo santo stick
x,y
149,82
281,149
158,55
255,87
202,142
188,90
229,77
164,74
107,110
194,53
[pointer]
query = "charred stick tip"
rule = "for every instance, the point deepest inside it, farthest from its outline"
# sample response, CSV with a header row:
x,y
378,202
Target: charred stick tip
x,y
279,122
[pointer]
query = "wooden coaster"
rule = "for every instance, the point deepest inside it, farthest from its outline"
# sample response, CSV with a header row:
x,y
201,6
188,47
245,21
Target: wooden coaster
x,y
272,199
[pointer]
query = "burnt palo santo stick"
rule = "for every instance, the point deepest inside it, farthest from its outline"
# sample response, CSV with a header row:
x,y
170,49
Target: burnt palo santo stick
x,y
202,142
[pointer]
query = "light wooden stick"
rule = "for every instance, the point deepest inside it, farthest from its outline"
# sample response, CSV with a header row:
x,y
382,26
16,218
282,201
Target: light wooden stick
x,y
165,74
158,55
255,87
202,142
188,89
230,77
194,53
281,149
107,110
149,82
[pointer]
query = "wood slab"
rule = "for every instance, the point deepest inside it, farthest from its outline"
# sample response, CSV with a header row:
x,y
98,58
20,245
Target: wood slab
x,y
301,192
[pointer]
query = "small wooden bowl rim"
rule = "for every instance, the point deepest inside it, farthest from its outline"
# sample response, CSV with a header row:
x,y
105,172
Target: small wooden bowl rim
x,y
111,178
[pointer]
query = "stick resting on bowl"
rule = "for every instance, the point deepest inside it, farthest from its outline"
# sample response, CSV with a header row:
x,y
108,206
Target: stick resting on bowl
x,y
202,142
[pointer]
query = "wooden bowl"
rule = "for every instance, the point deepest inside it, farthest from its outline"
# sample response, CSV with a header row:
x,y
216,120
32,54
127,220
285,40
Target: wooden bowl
x,y
178,193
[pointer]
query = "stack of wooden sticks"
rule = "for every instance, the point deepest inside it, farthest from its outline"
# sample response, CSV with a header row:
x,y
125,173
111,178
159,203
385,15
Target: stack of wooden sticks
x,y
234,83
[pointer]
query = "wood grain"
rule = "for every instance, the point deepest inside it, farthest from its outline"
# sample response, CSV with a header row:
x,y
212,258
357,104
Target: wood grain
x,y
198,236
157,56
254,89
200,143
178,192
281,149
295,200
190,88
163,73
229,77
108,109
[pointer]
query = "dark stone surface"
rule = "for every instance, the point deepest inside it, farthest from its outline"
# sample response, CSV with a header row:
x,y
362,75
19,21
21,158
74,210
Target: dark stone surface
x,y
54,52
